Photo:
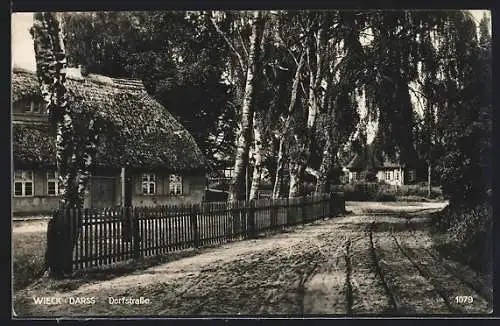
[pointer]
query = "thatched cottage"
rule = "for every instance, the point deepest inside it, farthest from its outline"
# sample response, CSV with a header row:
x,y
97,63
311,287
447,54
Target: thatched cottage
x,y
385,171
144,157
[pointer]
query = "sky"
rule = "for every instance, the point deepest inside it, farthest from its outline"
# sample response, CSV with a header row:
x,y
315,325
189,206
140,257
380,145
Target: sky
x,y
23,54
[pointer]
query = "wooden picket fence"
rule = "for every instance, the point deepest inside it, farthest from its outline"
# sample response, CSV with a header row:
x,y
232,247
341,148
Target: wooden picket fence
x,y
88,238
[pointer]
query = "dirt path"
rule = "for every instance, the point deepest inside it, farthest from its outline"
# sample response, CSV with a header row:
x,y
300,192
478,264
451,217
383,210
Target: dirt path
x,y
377,260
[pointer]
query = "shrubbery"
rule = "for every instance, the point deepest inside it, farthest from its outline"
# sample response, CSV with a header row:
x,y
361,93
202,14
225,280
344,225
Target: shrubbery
x,y
465,233
384,192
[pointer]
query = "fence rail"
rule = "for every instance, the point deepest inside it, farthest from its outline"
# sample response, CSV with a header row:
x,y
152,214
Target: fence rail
x,y
87,238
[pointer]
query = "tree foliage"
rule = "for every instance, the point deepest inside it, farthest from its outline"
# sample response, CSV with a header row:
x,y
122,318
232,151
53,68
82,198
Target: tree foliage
x,y
195,63
178,56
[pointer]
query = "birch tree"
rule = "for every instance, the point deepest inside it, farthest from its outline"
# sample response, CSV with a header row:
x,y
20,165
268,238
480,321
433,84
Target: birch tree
x,y
278,183
244,132
75,140
303,139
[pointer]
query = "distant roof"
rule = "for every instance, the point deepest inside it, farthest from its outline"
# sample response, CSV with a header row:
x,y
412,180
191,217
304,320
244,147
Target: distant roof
x,y
136,130
362,162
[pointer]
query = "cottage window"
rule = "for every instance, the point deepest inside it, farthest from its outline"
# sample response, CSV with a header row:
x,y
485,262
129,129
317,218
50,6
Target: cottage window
x,y
397,175
148,184
411,175
23,183
52,183
175,184
27,106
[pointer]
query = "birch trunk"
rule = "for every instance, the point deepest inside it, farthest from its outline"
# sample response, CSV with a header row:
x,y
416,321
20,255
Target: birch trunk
x,y
329,151
51,66
323,182
296,180
257,168
278,183
305,142
74,146
244,133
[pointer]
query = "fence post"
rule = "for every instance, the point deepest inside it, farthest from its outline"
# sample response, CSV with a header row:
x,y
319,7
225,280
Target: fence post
x,y
67,245
126,228
194,225
341,200
274,213
72,227
53,252
251,218
332,204
134,224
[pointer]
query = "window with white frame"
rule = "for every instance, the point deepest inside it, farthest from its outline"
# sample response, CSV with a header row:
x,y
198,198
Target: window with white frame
x,y
23,183
387,175
148,183
411,175
175,184
397,175
52,183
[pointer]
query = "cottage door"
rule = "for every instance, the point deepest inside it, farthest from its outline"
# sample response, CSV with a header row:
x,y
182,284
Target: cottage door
x,y
103,192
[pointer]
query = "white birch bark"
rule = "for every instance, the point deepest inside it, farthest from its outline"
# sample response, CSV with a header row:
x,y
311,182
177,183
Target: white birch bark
x,y
303,143
257,168
278,183
244,134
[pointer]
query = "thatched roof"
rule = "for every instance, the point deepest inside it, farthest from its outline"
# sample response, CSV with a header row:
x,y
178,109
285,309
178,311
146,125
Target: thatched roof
x,y
134,129
362,162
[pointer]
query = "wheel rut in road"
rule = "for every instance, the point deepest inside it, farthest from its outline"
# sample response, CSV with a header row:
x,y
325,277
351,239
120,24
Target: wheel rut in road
x,y
412,293
447,281
441,290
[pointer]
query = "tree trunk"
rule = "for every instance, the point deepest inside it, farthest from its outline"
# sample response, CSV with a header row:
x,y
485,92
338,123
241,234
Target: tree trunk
x,y
278,179
278,183
51,65
329,151
257,168
323,181
296,180
304,142
244,133
73,151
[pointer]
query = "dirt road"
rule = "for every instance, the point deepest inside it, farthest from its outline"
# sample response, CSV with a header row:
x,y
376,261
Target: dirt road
x,y
377,260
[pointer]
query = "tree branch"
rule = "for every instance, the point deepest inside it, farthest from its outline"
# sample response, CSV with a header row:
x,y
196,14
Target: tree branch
x,y
221,33
243,44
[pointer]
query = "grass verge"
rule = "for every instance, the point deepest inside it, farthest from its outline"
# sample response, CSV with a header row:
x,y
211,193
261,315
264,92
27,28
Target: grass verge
x,y
464,234
28,257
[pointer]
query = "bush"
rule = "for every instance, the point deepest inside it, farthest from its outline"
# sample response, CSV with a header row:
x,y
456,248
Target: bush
x,y
215,196
383,192
466,234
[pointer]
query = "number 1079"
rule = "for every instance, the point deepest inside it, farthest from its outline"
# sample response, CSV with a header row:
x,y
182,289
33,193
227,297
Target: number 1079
x,y
464,299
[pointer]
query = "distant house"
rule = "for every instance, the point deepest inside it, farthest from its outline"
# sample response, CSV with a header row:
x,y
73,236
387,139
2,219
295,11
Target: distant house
x,y
161,162
385,171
